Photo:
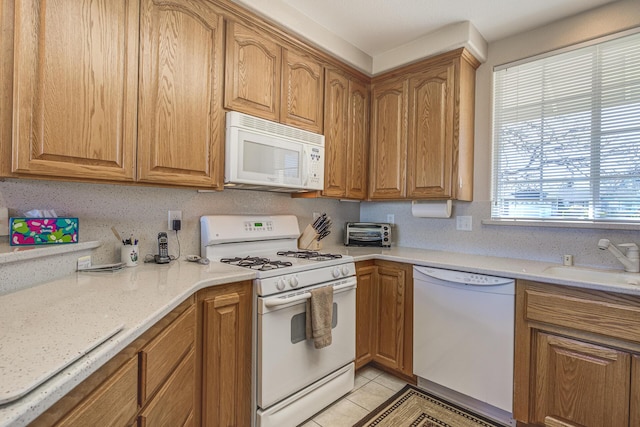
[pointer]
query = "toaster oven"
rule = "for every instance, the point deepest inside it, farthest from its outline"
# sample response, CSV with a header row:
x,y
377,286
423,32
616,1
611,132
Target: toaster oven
x,y
367,234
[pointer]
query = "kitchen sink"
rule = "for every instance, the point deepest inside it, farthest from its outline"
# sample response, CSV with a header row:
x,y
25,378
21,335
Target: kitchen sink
x,y
592,275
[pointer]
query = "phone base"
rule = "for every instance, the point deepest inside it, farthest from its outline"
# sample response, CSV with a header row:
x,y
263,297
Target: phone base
x,y
161,260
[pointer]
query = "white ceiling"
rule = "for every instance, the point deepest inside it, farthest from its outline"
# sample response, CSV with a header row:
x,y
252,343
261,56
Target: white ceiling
x,y
377,26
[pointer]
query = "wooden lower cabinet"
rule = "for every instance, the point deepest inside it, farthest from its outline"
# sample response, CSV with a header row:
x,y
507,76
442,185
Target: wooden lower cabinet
x,y
174,403
366,300
114,403
576,358
385,314
634,407
129,384
578,383
193,367
224,320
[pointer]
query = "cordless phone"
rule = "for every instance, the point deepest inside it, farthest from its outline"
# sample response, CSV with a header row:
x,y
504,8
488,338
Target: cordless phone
x,y
163,249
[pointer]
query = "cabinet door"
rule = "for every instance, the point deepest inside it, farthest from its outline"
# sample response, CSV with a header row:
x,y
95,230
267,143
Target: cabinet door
x,y
174,403
578,383
634,407
336,135
226,355
75,88
430,135
162,355
114,403
388,140
252,72
391,317
358,147
181,122
366,314
302,99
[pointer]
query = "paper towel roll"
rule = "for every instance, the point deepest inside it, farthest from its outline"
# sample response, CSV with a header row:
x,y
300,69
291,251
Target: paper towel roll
x,y
436,209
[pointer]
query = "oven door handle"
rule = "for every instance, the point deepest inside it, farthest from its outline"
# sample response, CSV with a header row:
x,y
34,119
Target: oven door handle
x,y
275,302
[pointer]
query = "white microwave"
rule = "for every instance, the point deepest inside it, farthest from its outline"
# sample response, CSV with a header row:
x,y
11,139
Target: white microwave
x,y
264,155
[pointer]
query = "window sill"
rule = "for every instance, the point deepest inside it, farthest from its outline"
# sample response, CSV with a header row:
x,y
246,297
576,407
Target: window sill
x,y
562,224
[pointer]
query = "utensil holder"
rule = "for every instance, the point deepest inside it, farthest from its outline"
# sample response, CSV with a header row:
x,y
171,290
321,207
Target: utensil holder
x,y
308,240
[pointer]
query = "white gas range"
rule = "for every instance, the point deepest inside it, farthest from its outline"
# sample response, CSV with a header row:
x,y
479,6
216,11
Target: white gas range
x,y
292,379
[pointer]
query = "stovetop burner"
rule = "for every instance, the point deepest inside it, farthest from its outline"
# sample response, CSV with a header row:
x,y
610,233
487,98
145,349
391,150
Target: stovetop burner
x,y
256,263
311,255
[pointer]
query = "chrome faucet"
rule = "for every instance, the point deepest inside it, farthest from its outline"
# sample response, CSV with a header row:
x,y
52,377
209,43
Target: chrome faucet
x,y
631,260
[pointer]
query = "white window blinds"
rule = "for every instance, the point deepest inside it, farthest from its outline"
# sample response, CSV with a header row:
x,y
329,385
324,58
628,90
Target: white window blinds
x,y
567,135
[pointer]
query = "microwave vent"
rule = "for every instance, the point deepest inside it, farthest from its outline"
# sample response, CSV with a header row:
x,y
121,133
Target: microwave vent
x,y
235,118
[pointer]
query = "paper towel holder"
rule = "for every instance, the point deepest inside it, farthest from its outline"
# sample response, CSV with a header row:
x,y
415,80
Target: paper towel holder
x,y
431,209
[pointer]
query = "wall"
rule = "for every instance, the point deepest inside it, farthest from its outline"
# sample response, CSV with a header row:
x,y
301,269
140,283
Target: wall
x,y
545,244
143,211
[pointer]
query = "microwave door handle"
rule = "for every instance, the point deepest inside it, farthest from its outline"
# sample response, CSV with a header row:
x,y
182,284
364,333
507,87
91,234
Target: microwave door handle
x,y
351,284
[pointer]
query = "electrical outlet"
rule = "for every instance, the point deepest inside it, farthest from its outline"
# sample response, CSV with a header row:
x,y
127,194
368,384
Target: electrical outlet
x,y
4,222
391,219
173,215
464,223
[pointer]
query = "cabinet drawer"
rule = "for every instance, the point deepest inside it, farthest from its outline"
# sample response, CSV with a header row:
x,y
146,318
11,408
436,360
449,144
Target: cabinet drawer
x,y
613,315
113,403
162,355
173,405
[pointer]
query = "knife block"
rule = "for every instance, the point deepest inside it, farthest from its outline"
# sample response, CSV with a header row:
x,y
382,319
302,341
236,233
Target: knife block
x,y
308,240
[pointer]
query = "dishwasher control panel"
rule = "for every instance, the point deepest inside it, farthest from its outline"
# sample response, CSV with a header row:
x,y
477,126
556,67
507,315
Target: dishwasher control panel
x,y
463,277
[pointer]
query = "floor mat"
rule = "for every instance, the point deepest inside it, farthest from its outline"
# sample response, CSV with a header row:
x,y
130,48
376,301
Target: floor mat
x,y
417,408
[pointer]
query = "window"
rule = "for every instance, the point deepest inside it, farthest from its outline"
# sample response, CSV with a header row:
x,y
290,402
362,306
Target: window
x,y
567,135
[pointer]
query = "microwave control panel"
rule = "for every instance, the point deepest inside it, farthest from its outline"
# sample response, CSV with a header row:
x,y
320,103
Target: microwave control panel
x,y
315,177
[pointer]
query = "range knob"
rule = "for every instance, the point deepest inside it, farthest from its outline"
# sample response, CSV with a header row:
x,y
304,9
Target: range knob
x,y
336,272
280,284
345,270
293,282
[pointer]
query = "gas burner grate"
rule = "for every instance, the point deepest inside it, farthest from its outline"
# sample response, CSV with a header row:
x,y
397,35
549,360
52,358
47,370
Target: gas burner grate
x,y
256,263
310,255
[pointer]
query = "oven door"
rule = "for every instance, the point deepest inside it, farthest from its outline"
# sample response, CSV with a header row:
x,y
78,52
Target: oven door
x,y
287,361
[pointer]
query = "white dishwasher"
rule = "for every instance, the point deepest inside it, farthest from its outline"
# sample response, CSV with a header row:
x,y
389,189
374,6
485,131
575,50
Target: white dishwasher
x,y
463,331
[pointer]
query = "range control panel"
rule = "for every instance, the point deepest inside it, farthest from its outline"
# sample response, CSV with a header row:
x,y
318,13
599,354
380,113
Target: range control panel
x,y
258,226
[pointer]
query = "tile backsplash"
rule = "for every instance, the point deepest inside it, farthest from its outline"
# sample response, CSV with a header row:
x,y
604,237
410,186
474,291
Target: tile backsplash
x,y
142,211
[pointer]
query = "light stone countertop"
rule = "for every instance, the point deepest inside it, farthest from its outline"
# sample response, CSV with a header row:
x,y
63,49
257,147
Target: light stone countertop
x,y
140,296
491,265
136,297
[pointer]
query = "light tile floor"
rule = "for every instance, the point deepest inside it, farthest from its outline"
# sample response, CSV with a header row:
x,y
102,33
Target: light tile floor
x,y
372,387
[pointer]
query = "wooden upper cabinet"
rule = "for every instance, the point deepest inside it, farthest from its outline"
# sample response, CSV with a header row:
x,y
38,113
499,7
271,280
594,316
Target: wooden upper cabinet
x,y
336,134
424,132
346,136
430,135
75,87
181,122
388,140
358,148
267,80
252,72
302,100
